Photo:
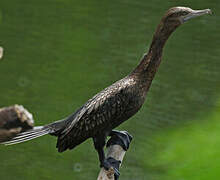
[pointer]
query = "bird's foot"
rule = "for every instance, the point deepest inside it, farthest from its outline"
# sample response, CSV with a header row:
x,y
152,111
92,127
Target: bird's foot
x,y
112,163
122,138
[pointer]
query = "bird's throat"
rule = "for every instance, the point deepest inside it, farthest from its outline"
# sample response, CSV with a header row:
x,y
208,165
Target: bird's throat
x,y
150,62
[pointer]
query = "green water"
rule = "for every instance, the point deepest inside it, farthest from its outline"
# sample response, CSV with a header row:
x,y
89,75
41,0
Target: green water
x,y
60,53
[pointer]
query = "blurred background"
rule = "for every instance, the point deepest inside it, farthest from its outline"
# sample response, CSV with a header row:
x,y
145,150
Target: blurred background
x,y
58,54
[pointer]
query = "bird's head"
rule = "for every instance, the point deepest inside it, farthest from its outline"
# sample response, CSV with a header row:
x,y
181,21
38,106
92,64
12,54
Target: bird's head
x,y
174,17
180,15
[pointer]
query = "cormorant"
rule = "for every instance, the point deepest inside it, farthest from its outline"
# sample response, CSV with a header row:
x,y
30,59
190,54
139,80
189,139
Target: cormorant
x,y
116,103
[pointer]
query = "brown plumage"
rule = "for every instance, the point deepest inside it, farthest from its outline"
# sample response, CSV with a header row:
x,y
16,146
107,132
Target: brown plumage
x,y
118,102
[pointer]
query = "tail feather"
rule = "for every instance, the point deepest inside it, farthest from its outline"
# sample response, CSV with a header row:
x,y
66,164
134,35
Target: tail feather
x,y
28,135
53,129
30,132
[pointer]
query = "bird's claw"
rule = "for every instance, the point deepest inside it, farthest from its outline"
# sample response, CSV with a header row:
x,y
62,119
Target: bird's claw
x,y
112,163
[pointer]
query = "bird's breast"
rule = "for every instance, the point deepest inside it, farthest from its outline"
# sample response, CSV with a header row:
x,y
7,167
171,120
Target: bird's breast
x,y
135,101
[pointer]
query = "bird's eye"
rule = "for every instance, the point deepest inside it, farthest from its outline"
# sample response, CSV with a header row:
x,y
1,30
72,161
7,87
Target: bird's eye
x,y
184,13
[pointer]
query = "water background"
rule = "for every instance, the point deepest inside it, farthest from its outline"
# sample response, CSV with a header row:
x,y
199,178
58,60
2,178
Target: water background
x,y
58,54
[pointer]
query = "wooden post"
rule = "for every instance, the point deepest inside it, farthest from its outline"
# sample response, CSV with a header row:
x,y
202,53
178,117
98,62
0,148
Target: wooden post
x,y
13,120
116,148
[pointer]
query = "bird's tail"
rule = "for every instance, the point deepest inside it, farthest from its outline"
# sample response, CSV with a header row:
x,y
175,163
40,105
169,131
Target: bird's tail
x,y
38,131
28,135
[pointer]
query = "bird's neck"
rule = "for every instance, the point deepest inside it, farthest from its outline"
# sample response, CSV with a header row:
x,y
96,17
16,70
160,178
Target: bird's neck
x,y
150,62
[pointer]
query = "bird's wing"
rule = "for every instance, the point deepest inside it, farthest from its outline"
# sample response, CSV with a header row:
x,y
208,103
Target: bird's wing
x,y
99,111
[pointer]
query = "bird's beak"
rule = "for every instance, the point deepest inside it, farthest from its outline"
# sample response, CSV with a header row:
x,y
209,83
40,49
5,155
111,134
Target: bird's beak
x,y
196,13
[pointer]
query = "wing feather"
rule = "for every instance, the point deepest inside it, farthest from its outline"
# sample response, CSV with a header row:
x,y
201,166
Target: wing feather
x,y
97,114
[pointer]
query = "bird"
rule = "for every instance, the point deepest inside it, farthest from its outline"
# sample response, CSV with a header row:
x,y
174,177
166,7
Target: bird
x,y
105,111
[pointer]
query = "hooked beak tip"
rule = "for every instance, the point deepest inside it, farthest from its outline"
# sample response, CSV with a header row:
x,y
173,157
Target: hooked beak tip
x,y
208,11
